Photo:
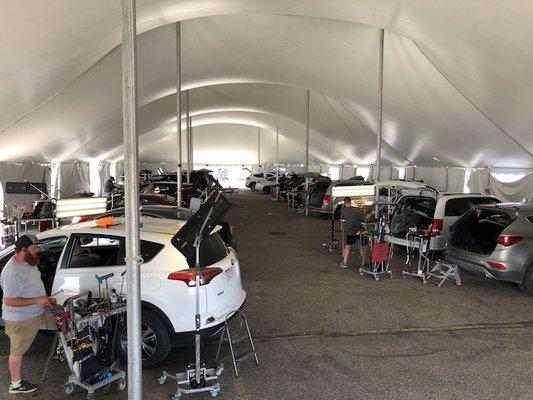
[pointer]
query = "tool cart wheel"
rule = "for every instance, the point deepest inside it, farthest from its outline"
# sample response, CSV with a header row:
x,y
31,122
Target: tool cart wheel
x,y
176,396
91,396
69,388
376,278
215,392
121,384
162,379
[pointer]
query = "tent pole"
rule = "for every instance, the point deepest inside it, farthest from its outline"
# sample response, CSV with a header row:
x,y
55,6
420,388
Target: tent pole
x,y
259,149
131,196
188,140
192,143
277,152
178,110
307,134
380,105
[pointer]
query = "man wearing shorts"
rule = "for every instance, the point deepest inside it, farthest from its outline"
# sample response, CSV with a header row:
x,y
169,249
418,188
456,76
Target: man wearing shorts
x,y
23,306
353,222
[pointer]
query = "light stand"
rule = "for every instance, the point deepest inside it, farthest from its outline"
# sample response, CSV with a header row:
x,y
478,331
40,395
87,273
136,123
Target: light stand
x,y
197,378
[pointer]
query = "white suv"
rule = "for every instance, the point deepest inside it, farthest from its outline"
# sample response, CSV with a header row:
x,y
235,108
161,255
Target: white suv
x,y
428,209
71,256
252,180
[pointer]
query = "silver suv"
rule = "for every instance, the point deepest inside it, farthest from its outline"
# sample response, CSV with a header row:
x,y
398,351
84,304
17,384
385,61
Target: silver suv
x,y
496,241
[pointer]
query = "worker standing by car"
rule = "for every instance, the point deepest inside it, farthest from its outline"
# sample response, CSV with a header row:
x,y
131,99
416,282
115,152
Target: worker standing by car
x,y
353,221
23,307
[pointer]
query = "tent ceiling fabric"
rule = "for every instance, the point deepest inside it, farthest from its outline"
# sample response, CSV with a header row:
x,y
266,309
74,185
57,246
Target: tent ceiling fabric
x,y
455,73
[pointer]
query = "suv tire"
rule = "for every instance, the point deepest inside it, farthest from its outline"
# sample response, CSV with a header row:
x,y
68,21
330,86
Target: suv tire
x,y
156,340
526,285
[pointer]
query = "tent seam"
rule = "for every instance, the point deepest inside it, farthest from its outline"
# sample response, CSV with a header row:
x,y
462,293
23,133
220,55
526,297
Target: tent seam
x,y
503,131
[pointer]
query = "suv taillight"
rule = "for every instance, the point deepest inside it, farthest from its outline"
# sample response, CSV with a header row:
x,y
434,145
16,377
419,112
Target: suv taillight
x,y
506,240
326,199
436,226
189,275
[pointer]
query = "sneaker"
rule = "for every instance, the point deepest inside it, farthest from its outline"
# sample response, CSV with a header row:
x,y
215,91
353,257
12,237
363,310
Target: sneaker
x,y
344,265
22,387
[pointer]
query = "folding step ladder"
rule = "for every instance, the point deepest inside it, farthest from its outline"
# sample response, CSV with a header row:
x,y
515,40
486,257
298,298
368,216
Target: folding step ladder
x,y
243,334
443,272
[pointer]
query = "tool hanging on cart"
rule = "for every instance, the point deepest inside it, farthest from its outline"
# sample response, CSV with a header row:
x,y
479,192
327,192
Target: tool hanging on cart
x,y
380,250
334,243
86,333
420,241
198,377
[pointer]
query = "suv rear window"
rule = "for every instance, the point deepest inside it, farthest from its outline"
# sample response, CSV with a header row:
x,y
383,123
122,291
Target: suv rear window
x,y
459,206
150,249
212,250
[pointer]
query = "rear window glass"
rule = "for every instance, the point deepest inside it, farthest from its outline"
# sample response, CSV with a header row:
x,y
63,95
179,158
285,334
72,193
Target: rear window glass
x,y
150,249
422,205
212,250
459,206
530,219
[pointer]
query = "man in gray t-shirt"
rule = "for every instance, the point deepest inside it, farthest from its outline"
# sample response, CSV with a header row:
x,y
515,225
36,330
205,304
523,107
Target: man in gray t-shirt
x,y
22,306
353,222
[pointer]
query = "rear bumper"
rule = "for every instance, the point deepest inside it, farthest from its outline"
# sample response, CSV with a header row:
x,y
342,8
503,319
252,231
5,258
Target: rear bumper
x,y
187,338
435,245
320,210
477,266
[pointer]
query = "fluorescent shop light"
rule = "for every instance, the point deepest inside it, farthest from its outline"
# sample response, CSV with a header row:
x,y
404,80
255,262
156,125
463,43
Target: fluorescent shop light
x,y
360,190
83,206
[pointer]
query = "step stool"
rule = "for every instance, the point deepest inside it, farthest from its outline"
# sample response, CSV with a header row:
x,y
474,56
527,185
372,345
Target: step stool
x,y
234,339
442,272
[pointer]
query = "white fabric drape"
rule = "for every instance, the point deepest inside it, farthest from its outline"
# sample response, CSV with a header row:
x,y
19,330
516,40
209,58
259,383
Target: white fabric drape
x,y
74,178
512,191
456,180
434,177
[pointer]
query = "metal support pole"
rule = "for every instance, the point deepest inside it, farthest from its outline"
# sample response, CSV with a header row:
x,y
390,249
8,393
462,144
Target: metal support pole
x,y
447,179
131,197
259,149
277,152
188,140
178,110
380,105
307,134
191,143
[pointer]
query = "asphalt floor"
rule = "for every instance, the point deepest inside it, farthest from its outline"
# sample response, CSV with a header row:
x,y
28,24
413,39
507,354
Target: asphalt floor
x,y
323,332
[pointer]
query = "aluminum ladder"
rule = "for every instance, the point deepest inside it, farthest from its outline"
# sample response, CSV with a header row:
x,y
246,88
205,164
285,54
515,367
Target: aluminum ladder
x,y
242,335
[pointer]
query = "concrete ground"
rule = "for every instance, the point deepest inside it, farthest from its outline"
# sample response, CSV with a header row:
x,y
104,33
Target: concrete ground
x,y
323,332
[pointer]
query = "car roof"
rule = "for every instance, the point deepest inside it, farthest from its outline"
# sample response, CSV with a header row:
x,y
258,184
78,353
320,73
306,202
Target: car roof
x,y
451,195
158,226
519,207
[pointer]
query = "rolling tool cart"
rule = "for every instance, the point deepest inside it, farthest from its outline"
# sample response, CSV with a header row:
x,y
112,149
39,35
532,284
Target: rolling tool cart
x,y
198,378
418,241
85,339
380,251
334,243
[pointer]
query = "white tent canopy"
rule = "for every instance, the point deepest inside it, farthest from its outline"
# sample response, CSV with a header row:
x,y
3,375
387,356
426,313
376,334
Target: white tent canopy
x,y
456,80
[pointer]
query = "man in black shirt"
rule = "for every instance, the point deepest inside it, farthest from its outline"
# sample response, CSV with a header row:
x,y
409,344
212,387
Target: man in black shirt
x,y
353,221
